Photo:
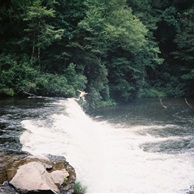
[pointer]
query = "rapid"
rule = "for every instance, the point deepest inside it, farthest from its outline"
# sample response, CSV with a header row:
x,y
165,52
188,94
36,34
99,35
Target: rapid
x,y
140,147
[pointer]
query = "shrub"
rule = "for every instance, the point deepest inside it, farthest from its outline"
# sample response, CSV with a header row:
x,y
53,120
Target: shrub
x,y
79,188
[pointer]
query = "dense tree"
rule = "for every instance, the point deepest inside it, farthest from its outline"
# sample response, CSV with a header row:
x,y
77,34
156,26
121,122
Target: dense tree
x,y
185,51
113,36
113,49
40,33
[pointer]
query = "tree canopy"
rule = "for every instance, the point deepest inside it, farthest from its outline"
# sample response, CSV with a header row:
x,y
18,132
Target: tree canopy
x,y
116,50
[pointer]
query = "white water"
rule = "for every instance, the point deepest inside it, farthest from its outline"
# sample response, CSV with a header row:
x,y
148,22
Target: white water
x,y
107,158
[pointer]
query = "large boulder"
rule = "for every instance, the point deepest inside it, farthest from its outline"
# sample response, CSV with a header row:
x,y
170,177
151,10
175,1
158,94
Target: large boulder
x,y
33,177
29,174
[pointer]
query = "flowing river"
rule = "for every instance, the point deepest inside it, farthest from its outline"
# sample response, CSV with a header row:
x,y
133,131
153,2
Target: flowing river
x,y
140,147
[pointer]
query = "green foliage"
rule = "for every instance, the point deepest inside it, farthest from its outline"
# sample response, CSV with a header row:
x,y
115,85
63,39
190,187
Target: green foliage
x,y
169,16
111,23
114,50
123,79
185,37
60,85
79,188
107,103
152,92
6,91
40,33
77,81
184,52
53,85
111,29
125,30
65,180
16,74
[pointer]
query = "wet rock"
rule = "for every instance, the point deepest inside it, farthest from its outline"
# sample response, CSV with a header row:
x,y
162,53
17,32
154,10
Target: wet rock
x,y
50,171
33,177
68,187
48,167
5,160
5,188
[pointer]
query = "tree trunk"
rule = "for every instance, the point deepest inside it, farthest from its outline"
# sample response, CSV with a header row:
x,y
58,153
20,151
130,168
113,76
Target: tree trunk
x,y
33,48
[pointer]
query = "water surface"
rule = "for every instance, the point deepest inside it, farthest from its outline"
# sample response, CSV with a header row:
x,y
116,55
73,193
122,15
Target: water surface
x,y
140,147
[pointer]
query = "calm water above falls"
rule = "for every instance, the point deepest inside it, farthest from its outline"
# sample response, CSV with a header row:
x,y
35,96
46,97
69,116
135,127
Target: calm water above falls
x,y
135,148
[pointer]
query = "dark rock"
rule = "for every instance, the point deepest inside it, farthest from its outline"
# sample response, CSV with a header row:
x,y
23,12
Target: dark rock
x,y
54,158
67,192
5,188
66,188
48,167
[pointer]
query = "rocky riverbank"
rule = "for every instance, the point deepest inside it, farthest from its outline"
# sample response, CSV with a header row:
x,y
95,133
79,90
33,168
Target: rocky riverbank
x,y
28,174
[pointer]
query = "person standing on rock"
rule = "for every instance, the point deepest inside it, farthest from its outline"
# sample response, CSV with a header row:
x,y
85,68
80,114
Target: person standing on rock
x,y
82,95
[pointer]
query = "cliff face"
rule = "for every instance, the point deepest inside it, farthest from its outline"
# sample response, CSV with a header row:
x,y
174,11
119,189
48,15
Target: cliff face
x,y
29,174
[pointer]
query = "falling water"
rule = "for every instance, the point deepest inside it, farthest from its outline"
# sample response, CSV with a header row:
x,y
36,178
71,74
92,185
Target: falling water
x,y
111,156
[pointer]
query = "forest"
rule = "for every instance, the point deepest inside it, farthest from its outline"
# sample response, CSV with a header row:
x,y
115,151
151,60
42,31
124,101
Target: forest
x,y
115,50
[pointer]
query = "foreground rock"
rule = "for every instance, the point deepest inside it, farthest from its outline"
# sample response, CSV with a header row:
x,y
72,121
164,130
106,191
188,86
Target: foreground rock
x,y
51,174
5,160
33,177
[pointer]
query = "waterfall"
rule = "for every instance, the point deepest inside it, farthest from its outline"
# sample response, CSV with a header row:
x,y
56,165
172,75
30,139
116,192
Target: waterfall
x,y
107,158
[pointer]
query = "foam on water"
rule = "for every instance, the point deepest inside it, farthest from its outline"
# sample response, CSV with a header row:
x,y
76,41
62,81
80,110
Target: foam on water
x,y
107,158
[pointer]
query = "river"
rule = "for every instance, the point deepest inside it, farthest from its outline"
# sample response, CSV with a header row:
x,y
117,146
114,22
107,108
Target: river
x,y
139,147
